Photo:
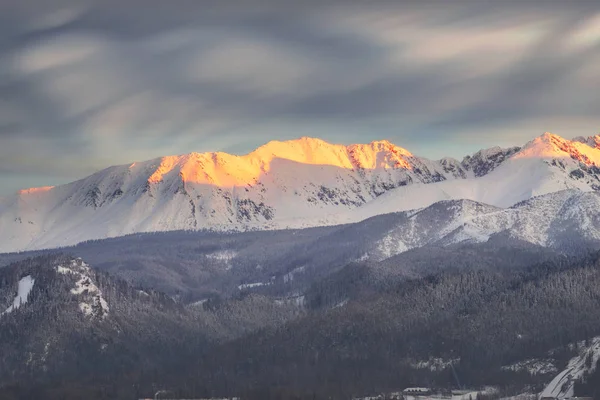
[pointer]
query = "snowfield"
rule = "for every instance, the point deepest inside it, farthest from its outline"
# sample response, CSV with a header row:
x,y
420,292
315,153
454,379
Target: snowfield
x,y
23,290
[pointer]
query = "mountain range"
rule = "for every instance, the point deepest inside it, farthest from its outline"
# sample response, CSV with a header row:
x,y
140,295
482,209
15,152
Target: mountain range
x,y
296,184
306,270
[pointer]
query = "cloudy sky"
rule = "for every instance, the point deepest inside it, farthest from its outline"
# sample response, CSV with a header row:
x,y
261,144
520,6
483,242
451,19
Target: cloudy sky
x,y
90,83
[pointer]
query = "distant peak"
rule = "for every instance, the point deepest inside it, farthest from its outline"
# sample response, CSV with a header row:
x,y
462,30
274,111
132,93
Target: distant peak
x,y
384,142
303,141
311,142
547,138
383,145
36,190
486,160
552,146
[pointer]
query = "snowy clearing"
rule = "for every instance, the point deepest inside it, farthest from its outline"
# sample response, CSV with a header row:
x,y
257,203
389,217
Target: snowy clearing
x,y
25,286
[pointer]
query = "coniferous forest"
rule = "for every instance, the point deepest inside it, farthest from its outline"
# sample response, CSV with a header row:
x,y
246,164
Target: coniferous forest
x,y
359,331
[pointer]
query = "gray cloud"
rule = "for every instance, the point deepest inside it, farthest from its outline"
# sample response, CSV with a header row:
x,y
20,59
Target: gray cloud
x,y
91,83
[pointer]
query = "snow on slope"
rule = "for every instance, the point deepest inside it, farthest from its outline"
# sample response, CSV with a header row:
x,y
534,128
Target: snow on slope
x,y
567,221
304,178
436,223
23,290
562,386
543,220
547,164
293,184
92,301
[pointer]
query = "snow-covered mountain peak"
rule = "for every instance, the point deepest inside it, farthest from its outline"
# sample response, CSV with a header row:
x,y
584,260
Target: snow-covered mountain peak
x,y
286,184
493,152
484,161
551,146
282,148
547,145
386,145
226,170
306,150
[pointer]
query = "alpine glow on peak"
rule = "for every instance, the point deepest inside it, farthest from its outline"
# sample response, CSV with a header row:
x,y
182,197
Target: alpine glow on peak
x,y
297,183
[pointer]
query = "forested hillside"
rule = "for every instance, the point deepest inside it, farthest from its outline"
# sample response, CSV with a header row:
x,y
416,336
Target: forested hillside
x,y
482,321
77,331
82,333
193,266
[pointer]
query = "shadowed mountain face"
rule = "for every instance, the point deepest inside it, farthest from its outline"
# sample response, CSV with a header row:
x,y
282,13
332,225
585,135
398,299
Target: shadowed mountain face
x,y
295,184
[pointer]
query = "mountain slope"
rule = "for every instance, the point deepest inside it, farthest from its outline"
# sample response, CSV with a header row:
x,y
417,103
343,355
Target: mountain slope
x,y
478,321
305,178
294,184
565,221
547,164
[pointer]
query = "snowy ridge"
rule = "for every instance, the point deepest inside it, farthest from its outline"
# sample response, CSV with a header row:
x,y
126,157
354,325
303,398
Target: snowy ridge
x,y
441,221
484,161
547,164
280,181
561,220
92,302
293,184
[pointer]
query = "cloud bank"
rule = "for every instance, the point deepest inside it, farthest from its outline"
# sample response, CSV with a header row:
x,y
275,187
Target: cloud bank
x,y
92,83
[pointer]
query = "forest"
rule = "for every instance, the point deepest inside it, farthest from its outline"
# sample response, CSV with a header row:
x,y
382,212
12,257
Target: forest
x,y
357,333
